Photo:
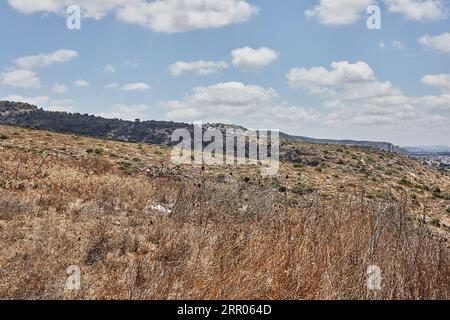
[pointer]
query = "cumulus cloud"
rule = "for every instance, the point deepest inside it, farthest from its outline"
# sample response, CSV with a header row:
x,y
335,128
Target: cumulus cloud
x,y
253,59
20,78
44,102
419,10
168,16
81,83
126,112
60,88
37,101
440,43
343,12
344,80
351,95
200,67
346,12
236,102
441,81
436,104
137,86
341,72
44,60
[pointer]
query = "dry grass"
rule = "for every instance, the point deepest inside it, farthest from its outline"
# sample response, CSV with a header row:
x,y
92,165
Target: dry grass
x,y
222,239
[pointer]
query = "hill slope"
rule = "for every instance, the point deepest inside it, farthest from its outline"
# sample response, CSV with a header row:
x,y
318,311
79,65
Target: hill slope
x,y
155,132
140,227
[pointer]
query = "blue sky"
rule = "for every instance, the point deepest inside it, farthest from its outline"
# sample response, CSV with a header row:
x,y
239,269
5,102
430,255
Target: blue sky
x,y
304,67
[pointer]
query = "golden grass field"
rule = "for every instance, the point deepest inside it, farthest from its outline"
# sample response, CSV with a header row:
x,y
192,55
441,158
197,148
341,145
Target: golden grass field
x,y
140,227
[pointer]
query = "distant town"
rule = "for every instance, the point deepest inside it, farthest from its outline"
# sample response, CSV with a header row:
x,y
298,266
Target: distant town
x,y
437,157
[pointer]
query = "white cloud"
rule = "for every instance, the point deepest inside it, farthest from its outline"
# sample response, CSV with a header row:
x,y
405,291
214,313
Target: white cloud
x,y
81,83
44,60
138,86
37,101
441,81
341,12
236,102
439,43
60,88
44,102
381,45
253,59
228,99
346,12
24,79
353,96
200,67
345,80
419,10
436,104
126,112
383,112
109,69
167,16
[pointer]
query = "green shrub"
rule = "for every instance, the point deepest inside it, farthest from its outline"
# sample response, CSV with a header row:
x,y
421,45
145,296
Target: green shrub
x,y
98,151
405,182
436,222
302,189
436,190
126,167
275,182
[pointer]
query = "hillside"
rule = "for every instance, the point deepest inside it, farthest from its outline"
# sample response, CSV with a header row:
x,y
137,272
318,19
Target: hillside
x,y
141,227
155,132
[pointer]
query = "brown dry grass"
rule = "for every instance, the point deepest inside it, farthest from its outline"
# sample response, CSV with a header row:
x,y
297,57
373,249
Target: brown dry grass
x,y
222,239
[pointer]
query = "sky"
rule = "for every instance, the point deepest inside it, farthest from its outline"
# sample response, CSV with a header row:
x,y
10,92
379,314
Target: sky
x,y
311,68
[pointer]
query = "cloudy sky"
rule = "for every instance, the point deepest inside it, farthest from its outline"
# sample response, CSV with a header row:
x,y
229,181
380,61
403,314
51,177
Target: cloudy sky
x,y
305,67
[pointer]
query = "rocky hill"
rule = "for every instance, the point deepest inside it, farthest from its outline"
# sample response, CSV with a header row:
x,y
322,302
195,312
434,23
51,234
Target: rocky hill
x,y
155,132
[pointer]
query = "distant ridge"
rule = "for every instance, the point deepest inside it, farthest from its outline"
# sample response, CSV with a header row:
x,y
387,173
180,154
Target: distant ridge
x,y
152,132
380,145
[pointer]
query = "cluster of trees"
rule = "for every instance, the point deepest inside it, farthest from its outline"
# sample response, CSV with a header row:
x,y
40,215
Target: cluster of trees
x,y
24,115
15,107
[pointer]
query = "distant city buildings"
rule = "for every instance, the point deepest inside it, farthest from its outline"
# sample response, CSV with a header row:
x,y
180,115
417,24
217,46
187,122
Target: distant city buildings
x,y
437,161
